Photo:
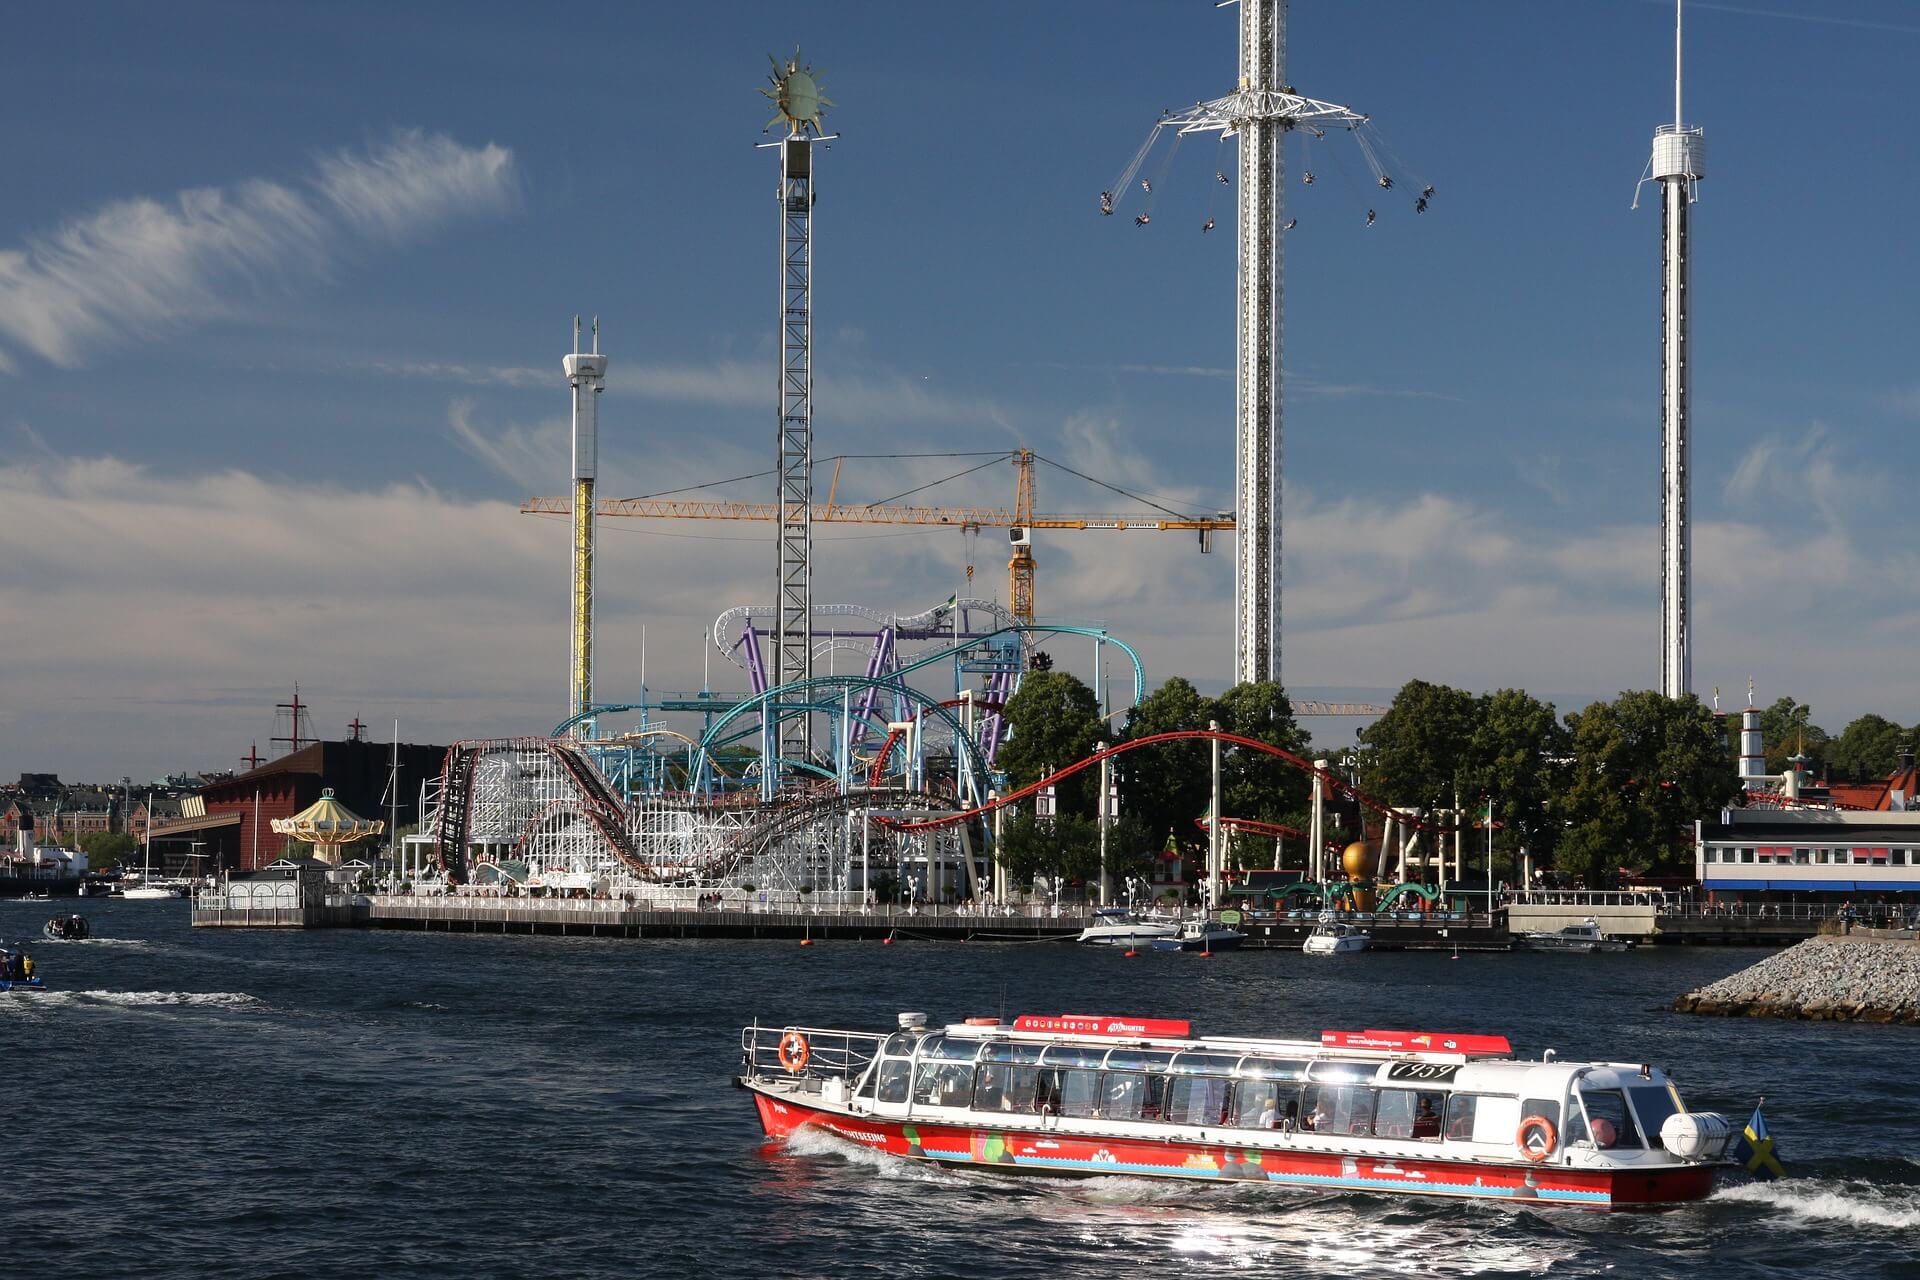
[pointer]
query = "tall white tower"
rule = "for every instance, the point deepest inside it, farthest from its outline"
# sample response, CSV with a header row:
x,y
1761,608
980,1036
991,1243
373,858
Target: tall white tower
x,y
1261,111
1679,162
587,375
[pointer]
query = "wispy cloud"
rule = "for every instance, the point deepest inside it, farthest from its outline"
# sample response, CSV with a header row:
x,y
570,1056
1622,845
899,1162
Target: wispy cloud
x,y
142,266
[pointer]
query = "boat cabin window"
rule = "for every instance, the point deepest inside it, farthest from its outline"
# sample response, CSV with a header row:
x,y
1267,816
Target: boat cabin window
x,y
1208,1064
1197,1100
1079,1092
1607,1122
899,1045
950,1050
1653,1103
1274,1069
1257,1104
1334,1072
1132,1095
1408,1113
1008,1088
1004,1051
1549,1110
1336,1108
893,1080
1074,1055
1138,1060
1487,1117
943,1084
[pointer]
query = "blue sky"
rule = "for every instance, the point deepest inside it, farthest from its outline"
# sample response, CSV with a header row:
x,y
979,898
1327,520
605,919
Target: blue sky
x,y
283,293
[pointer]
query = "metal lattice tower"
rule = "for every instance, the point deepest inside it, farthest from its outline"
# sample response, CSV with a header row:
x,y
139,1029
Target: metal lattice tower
x,y
798,101
1679,162
1261,111
587,375
793,647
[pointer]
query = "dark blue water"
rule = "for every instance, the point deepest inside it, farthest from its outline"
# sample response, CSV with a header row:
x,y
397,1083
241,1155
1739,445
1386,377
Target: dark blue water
x,y
380,1104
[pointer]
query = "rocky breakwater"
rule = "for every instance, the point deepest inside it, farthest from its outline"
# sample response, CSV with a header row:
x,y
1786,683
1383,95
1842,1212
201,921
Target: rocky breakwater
x,y
1836,979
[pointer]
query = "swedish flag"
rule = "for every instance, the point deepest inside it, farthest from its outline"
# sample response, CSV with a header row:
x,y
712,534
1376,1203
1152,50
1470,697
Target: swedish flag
x,y
1755,1150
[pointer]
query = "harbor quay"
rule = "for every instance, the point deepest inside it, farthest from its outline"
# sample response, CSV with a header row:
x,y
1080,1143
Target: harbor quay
x,y
1662,925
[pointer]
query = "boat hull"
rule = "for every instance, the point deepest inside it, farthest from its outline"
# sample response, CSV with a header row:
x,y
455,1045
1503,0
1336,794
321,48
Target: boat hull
x,y
1065,1155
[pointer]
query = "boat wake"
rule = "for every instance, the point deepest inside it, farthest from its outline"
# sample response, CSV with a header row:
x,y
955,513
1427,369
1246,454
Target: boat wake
x,y
811,1140
1862,1204
145,999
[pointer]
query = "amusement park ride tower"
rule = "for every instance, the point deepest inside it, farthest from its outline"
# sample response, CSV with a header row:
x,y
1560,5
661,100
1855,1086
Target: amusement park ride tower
x,y
587,375
1261,111
1678,164
795,91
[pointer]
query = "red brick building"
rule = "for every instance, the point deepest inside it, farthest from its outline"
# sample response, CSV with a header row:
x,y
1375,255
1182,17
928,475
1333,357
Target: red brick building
x,y
231,821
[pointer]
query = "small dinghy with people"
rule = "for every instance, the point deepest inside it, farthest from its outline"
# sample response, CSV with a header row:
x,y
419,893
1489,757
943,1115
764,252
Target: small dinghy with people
x,y
1393,1112
68,928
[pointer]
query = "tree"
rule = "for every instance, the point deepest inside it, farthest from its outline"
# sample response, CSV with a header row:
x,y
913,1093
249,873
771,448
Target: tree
x,y
106,849
1517,756
1053,721
1787,727
1644,768
1415,754
1167,786
1868,749
1067,846
1254,784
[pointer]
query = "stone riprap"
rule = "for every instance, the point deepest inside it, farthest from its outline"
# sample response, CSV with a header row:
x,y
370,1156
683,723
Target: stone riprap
x,y
1844,979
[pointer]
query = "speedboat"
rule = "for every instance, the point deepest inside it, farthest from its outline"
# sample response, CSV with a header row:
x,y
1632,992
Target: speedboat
x,y
17,971
68,928
1201,935
1415,1113
1120,927
1332,937
1582,937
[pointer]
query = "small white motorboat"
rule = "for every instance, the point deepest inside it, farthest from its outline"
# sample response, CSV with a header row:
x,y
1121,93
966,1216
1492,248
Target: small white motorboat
x,y
1120,927
1332,937
1582,937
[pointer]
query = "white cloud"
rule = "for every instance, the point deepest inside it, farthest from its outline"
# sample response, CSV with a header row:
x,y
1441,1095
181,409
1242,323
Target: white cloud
x,y
141,266
152,620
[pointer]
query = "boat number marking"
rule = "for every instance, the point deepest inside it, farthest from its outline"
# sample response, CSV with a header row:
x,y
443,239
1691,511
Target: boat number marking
x,y
1435,1071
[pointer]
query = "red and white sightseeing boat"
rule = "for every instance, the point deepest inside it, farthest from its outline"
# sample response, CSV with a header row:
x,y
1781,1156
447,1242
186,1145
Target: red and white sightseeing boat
x,y
1419,1113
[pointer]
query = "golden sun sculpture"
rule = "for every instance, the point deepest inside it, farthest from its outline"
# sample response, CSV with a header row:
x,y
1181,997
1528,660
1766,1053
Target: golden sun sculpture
x,y
795,91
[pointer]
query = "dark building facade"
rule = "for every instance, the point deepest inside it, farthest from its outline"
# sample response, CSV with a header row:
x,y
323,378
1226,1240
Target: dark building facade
x,y
231,821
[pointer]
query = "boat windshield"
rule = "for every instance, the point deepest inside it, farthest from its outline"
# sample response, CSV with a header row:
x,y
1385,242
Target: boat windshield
x,y
1606,1123
1654,1103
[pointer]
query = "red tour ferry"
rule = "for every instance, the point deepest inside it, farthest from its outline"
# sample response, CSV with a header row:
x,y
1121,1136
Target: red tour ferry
x,y
1416,1113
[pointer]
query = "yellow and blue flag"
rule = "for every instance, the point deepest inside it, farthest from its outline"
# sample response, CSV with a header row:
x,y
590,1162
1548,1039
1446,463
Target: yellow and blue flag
x,y
1755,1150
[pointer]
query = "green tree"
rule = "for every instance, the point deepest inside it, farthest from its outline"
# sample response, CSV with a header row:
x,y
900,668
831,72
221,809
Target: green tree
x,y
1053,721
1417,753
1167,786
1786,727
1868,749
1254,784
1644,768
1518,755
105,849
1067,846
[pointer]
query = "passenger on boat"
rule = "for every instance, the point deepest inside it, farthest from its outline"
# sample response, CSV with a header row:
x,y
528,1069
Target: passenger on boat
x,y
1291,1118
1426,1124
1322,1117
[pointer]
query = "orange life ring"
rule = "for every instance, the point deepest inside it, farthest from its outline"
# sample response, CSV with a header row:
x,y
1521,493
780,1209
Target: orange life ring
x,y
794,1052
1548,1138
983,1022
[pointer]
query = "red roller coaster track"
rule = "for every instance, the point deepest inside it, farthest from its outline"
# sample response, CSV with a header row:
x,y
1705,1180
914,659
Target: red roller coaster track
x,y
1332,780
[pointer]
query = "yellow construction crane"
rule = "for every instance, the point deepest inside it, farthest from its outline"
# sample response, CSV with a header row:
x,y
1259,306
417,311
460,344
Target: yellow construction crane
x,y
1019,522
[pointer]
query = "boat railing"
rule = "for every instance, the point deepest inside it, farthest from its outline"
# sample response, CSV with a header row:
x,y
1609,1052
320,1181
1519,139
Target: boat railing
x,y
827,1053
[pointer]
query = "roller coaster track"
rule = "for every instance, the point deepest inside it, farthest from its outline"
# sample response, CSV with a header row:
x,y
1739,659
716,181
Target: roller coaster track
x,y
789,820
1329,779
593,798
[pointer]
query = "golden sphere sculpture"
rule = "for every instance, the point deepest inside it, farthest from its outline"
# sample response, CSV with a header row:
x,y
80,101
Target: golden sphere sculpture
x,y
1357,861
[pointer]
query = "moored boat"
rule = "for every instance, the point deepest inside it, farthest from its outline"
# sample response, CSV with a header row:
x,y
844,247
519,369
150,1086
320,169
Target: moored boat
x,y
1120,927
1396,1112
1582,937
1201,935
1332,937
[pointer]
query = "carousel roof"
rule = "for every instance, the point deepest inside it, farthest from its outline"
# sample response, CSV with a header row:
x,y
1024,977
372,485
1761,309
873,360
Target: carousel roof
x,y
327,821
